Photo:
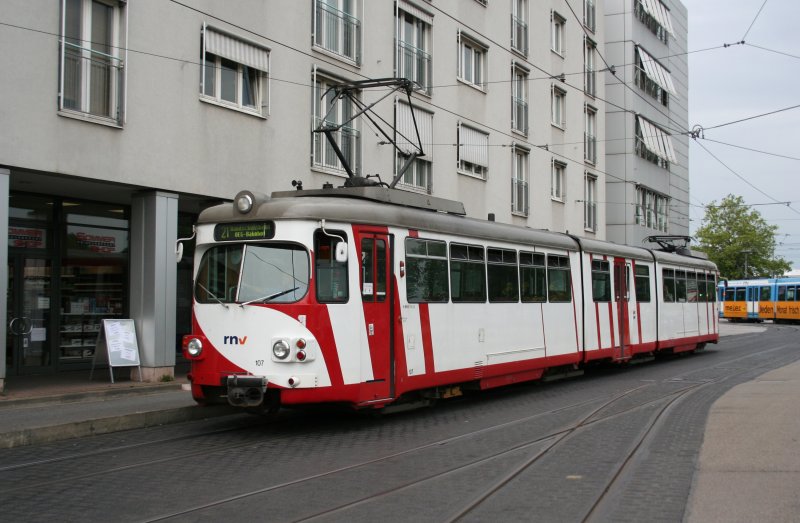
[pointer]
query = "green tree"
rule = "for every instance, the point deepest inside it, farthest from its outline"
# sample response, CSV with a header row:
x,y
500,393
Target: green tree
x,y
734,236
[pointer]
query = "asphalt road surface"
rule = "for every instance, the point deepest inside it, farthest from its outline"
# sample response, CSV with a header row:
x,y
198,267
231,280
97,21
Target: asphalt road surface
x,y
618,444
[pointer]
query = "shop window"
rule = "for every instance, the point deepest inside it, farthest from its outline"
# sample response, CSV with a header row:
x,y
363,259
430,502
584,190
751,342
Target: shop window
x,y
94,272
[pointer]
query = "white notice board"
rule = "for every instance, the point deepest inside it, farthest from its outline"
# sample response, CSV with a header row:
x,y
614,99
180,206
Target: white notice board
x,y
117,346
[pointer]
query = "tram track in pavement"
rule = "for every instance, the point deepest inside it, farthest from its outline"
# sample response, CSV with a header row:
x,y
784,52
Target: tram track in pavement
x,y
550,440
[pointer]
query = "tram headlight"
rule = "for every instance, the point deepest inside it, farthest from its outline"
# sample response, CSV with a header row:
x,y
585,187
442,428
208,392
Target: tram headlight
x,y
194,347
280,349
244,202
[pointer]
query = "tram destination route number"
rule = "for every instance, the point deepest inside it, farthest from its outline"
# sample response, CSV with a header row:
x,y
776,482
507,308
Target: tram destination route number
x,y
226,232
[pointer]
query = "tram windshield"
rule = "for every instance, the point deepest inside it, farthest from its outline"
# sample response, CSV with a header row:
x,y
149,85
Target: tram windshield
x,y
250,273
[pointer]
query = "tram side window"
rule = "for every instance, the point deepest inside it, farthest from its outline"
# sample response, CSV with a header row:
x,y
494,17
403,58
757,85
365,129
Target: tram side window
x,y
331,276
533,275
782,293
502,274
741,294
601,281
467,273
691,287
642,282
791,295
669,285
559,280
680,286
702,296
730,294
765,294
426,271
711,288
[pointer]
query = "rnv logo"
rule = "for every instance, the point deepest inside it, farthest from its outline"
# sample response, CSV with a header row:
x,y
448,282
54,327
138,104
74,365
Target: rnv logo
x,y
234,340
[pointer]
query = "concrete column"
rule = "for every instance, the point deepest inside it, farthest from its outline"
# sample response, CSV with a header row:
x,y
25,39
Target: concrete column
x,y
153,281
5,175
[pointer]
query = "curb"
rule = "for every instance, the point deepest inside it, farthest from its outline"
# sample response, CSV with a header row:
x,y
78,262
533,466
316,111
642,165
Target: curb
x,y
88,395
80,429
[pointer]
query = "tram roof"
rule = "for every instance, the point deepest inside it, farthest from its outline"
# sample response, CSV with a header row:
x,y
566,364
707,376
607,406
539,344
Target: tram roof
x,y
395,208
358,206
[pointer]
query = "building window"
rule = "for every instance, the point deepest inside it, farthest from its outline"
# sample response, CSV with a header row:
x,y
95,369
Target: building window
x,y
335,112
652,78
653,143
235,72
519,99
652,209
519,181
337,28
419,175
557,28
655,16
589,20
519,26
590,135
558,107
473,151
590,202
590,74
92,72
558,174
471,61
414,45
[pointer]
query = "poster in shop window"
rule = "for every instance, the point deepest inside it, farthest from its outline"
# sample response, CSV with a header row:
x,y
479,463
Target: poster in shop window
x,y
117,346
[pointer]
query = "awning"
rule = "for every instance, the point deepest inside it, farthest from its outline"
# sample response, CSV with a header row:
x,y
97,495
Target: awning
x,y
660,13
415,11
405,127
239,51
657,141
473,146
656,73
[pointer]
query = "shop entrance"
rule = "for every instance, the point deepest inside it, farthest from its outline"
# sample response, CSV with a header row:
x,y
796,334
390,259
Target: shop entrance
x,y
28,328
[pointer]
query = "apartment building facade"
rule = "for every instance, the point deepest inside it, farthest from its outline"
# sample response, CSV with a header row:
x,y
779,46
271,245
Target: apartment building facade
x,y
123,120
647,119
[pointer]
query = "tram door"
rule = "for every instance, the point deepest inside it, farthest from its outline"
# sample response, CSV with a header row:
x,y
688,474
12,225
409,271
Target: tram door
x,y
622,296
374,250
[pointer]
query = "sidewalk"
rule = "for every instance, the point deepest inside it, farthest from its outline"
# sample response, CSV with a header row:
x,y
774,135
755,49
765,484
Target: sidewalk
x,y
42,409
749,464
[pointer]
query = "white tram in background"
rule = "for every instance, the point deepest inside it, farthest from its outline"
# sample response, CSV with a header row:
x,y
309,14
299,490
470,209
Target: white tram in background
x,y
370,296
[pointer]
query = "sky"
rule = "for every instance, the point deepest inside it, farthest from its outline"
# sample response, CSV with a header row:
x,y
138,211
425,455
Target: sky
x,y
740,82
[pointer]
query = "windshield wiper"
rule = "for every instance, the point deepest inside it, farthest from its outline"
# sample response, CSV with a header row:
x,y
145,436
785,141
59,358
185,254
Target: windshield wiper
x,y
268,297
211,294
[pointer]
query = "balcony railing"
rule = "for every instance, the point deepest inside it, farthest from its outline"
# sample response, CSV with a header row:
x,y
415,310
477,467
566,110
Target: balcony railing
x,y
590,216
519,196
519,35
92,82
349,141
519,115
415,64
590,148
338,32
590,81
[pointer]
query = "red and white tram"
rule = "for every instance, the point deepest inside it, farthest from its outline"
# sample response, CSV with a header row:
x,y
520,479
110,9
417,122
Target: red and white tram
x,y
369,296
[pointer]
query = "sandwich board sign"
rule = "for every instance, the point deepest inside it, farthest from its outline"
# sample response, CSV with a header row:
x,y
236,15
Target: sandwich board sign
x,y
117,346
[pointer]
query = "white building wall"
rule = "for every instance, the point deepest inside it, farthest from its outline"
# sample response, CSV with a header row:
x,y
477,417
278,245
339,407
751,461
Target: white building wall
x,y
626,169
173,141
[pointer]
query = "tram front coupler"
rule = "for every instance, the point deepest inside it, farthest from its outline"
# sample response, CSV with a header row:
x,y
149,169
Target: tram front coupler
x,y
246,391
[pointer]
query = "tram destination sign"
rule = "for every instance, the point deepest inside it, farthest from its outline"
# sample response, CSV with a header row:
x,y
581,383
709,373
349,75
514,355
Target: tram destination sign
x,y
241,231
